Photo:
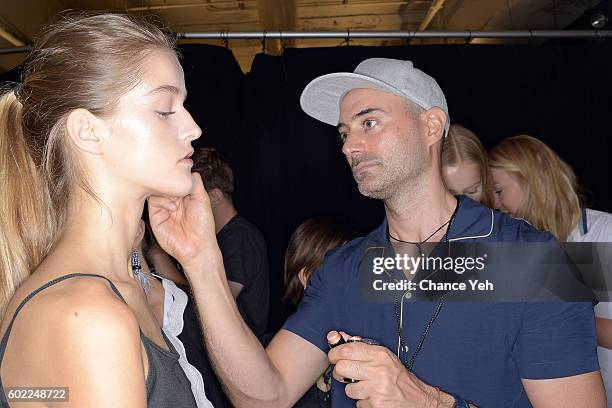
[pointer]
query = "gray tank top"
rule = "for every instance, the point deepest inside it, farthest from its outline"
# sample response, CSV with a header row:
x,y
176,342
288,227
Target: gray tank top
x,y
167,384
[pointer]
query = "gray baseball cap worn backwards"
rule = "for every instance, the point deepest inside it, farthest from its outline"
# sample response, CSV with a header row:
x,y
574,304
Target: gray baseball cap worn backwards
x,y
322,96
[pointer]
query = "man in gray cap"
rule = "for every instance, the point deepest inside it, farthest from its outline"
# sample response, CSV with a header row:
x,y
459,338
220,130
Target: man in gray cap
x,y
392,119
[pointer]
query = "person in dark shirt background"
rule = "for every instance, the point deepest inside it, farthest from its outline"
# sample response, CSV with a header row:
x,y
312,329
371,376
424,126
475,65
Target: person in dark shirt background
x,y
242,245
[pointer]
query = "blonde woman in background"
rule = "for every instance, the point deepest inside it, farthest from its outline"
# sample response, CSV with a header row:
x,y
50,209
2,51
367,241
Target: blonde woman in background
x,y
96,128
532,182
465,167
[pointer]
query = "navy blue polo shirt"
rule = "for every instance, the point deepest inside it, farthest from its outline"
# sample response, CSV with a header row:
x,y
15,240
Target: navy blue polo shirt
x,y
477,350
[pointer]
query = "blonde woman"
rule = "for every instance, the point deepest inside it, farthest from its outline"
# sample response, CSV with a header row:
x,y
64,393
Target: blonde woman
x,y
532,182
465,167
96,127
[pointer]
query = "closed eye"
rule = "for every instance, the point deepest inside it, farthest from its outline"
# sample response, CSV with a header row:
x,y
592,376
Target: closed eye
x,y
474,189
165,114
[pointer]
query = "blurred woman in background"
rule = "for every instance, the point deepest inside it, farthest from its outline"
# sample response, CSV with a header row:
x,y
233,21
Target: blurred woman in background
x,y
532,182
305,253
465,169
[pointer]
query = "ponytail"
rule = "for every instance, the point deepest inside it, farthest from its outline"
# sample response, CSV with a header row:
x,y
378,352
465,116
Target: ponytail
x,y
26,227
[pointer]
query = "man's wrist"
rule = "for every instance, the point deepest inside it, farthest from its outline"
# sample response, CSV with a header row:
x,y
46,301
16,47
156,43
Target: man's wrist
x,y
203,265
458,402
435,398
446,400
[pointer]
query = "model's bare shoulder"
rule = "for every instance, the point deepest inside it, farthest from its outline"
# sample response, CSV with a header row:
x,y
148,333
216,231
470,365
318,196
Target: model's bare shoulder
x,y
98,347
52,308
86,305
91,344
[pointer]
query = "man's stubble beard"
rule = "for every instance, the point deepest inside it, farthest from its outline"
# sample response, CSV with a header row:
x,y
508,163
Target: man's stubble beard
x,y
401,171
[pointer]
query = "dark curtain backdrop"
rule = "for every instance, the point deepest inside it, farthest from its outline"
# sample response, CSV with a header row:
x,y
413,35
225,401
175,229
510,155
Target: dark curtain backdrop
x,y
289,167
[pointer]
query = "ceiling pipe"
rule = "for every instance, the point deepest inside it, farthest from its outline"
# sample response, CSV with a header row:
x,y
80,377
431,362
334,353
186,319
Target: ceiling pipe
x,y
15,50
348,35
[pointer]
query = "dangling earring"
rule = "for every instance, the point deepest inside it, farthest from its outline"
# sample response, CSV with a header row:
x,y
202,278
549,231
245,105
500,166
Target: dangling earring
x,y
142,277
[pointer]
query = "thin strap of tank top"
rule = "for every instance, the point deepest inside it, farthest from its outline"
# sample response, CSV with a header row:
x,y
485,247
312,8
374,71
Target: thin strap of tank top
x,y
37,291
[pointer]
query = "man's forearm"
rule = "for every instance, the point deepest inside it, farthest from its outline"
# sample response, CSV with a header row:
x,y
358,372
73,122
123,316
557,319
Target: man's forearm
x,y
250,378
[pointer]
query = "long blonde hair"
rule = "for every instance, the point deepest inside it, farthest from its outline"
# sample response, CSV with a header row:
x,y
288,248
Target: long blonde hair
x,y
462,146
80,62
551,200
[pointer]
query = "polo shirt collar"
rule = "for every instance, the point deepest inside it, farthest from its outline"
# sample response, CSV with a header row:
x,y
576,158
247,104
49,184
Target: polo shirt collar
x,y
473,220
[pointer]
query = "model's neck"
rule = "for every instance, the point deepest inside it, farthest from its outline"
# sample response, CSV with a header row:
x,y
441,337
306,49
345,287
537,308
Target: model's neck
x,y
100,235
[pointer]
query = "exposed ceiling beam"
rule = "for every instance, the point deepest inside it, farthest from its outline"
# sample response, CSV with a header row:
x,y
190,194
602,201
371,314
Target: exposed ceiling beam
x,y
11,38
20,21
277,15
211,6
431,13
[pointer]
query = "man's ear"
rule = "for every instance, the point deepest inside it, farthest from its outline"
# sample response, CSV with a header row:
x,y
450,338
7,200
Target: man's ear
x,y
83,130
215,195
435,121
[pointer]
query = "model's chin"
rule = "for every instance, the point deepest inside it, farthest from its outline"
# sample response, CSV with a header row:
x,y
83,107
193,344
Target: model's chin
x,y
187,185
179,186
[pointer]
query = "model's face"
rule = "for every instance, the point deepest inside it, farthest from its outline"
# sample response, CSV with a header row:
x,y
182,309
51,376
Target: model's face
x,y
150,132
464,179
509,194
381,142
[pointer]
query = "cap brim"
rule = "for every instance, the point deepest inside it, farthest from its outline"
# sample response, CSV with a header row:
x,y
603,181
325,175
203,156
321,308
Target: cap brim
x,y
322,96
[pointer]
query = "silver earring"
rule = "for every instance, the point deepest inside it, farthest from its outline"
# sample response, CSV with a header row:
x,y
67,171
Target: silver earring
x,y
142,277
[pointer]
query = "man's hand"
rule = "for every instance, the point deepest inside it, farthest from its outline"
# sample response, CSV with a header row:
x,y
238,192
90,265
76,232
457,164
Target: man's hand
x,y
383,379
184,226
